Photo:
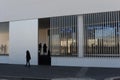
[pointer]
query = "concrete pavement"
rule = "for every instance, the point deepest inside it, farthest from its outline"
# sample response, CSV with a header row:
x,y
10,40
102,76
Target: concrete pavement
x,y
57,73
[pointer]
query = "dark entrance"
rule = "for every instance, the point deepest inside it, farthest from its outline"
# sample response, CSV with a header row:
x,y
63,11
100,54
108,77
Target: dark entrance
x,y
44,57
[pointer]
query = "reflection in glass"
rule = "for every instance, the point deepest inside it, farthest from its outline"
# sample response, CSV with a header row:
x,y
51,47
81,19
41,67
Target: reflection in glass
x,y
101,34
4,37
63,35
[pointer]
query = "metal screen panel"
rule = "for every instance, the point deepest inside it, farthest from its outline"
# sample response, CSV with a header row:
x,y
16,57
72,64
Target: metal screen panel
x,y
63,35
101,34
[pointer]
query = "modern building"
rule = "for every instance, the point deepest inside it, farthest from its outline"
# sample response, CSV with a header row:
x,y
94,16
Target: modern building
x,y
78,33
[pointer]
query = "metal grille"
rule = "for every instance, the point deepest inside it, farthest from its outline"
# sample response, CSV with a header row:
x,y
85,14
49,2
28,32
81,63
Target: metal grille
x,y
102,34
63,35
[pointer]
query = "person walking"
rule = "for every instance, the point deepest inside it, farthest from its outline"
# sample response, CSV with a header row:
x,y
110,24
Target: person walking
x,y
28,58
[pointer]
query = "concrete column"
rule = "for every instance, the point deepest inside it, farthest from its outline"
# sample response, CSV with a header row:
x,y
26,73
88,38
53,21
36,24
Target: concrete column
x,y
80,36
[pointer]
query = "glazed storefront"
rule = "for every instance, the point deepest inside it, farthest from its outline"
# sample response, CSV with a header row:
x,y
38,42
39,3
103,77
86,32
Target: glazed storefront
x,y
76,40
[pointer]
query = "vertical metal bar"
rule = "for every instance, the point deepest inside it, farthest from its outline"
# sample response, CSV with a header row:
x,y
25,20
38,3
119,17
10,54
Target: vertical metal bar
x,y
50,36
64,34
93,15
107,38
72,35
118,33
116,16
117,45
109,14
102,34
107,17
113,32
76,38
90,33
112,23
51,20
84,41
85,30
86,36
91,53
97,46
101,28
54,25
76,31
109,52
76,34
92,36
94,22
59,33
66,37
112,41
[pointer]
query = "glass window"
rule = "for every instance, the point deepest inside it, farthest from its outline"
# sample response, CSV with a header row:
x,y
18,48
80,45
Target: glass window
x,y
102,34
4,38
63,35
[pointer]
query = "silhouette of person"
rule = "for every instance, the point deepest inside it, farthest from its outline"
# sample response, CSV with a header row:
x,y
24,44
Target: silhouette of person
x,y
44,48
2,48
5,49
28,58
40,48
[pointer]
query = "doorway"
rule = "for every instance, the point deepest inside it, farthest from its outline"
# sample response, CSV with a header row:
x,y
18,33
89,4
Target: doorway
x,y
44,57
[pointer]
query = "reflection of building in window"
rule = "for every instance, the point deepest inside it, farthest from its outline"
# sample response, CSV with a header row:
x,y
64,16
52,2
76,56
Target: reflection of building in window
x,y
4,37
63,35
101,34
3,49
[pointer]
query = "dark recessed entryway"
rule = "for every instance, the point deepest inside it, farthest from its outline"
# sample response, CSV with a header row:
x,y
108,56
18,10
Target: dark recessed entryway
x,y
44,57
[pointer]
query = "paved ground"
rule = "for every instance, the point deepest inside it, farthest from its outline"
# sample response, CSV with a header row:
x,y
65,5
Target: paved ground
x,y
56,73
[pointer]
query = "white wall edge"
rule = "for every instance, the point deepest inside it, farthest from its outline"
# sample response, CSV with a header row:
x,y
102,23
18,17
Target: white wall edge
x,y
86,62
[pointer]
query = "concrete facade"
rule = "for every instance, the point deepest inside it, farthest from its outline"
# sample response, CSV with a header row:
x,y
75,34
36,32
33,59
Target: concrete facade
x,y
23,29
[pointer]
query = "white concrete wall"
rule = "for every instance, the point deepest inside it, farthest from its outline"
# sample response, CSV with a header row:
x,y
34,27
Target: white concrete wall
x,y
80,36
4,59
23,36
86,62
29,9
